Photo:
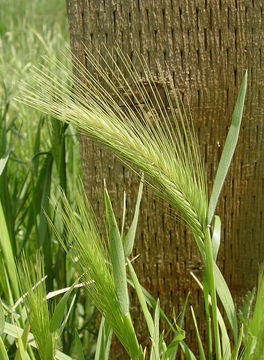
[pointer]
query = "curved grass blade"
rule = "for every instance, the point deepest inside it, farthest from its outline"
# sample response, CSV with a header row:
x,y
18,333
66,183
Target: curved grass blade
x,y
154,354
61,328
141,298
228,150
130,237
78,344
216,236
117,257
3,352
227,300
212,289
3,162
235,355
153,303
21,349
59,311
2,318
189,355
6,246
103,341
200,345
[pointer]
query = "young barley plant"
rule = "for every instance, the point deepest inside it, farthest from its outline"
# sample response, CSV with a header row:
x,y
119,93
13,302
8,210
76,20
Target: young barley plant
x,y
160,141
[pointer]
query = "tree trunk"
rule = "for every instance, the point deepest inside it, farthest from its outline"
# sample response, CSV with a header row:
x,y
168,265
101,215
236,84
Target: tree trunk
x,y
207,46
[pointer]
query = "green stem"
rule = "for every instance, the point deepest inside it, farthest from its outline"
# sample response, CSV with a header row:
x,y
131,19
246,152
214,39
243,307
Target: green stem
x,y
210,265
207,313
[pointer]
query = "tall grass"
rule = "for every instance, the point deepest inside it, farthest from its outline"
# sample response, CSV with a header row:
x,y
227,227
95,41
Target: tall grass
x,y
36,156
160,141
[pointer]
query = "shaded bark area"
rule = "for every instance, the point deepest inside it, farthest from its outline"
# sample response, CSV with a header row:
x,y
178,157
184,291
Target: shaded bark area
x,y
206,46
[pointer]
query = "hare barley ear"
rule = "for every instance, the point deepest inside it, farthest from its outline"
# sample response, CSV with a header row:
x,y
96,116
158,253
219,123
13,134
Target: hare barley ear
x,y
33,286
144,122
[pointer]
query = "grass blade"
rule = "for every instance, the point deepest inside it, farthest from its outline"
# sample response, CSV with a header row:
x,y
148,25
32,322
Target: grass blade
x,y
237,347
200,345
78,344
103,341
227,300
117,257
59,311
21,348
228,150
154,354
130,237
3,352
141,298
2,318
189,355
216,236
3,162
212,289
7,250
153,303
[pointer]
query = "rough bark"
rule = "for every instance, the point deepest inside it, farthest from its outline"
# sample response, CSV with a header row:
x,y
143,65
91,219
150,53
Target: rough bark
x,y
207,45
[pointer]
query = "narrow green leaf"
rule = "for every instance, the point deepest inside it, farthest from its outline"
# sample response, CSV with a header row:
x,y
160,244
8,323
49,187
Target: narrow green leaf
x,y
205,288
3,352
200,345
212,289
24,339
123,216
130,237
226,347
238,345
78,344
7,250
181,318
153,303
60,331
141,298
216,237
2,318
59,311
103,341
117,257
3,162
154,354
228,150
189,355
226,299
21,348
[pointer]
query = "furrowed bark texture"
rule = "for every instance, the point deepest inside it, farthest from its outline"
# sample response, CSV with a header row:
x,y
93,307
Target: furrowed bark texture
x,y
207,46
